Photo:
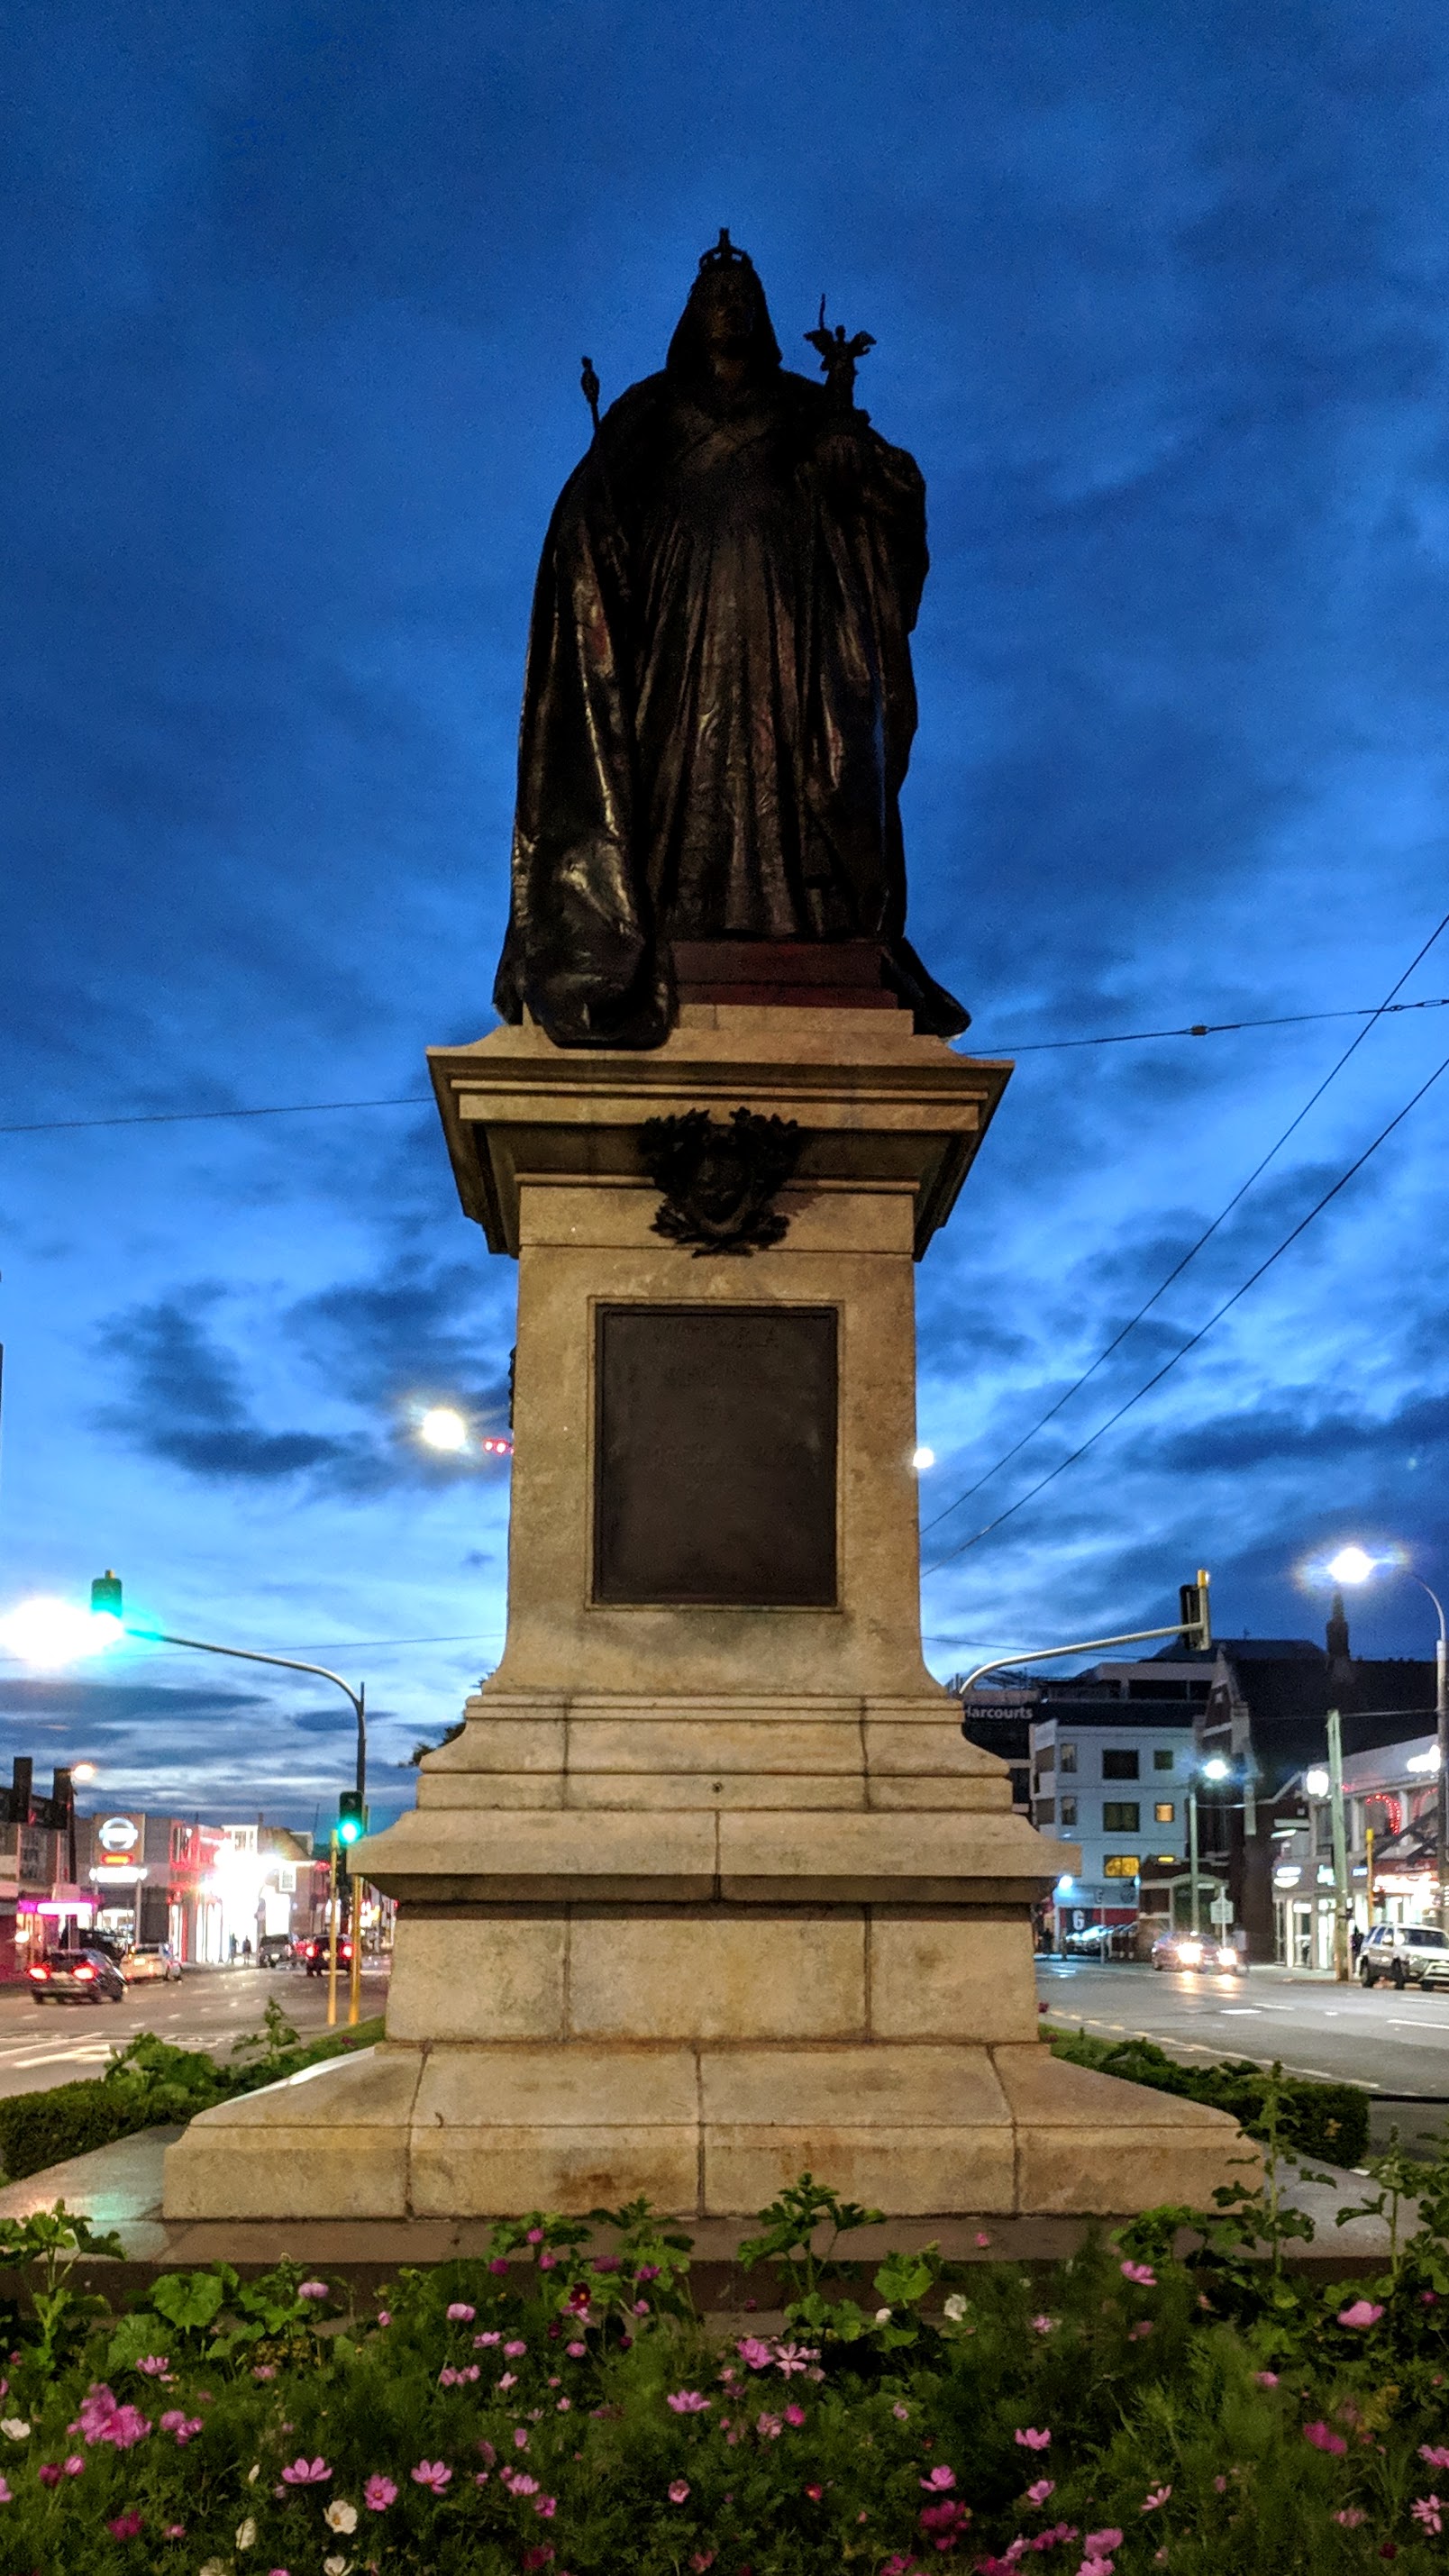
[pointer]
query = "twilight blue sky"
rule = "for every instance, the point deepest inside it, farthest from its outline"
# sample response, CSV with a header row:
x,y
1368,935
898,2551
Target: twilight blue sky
x,y
295,301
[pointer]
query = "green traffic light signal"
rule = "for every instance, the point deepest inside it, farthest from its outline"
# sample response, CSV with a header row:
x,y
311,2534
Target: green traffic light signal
x,y
351,1824
106,1595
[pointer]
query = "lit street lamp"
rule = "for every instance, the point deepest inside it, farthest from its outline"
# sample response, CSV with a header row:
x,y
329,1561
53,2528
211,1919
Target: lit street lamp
x,y
1353,1565
1214,1769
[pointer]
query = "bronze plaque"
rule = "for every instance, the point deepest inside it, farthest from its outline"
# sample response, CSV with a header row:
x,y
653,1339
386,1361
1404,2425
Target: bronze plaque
x,y
714,1456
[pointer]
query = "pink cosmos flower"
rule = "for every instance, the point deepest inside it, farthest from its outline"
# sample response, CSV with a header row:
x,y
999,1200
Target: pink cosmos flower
x,y
1266,2378
546,2505
487,2452
679,2490
520,2438
939,2478
1324,2439
1151,2501
313,2290
125,2526
1362,2312
576,2351
499,2263
480,2340
1041,2488
264,2370
1428,2511
547,2262
564,2406
514,2351
509,2380
48,2474
1140,2332
1097,2543
1043,2325
900,2412
155,2365
768,2427
306,2473
1028,2438
430,2473
1435,2454
815,2494
378,2494
517,2482
794,2414
5,2495
982,2239
1096,2567
101,2419
1351,2515
1220,2485
173,2531
74,2466
687,2401
384,2316
182,2425
534,2236
751,2351
1142,2273
460,2314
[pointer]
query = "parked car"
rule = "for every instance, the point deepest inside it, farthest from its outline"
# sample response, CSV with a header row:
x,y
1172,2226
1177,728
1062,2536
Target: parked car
x,y
150,1961
276,1950
1405,1954
76,1977
315,1953
1197,1950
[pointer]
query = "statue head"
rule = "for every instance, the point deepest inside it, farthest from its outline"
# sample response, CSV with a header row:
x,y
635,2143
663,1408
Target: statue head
x,y
726,317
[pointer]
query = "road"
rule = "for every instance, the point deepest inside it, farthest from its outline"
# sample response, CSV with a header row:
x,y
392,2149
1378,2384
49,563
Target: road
x,y
42,2044
1396,2045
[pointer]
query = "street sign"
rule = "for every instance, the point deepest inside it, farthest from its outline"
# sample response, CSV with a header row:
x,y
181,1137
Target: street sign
x,y
1221,1911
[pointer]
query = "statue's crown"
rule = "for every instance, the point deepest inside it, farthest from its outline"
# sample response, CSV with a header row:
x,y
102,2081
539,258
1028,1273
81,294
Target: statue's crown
x,y
724,254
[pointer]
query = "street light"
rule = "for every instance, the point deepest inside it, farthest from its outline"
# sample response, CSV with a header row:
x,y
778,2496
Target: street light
x,y
1216,1769
1353,1565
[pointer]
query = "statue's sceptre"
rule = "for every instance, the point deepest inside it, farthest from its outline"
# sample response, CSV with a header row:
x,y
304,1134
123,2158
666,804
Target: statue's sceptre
x,y
838,359
590,384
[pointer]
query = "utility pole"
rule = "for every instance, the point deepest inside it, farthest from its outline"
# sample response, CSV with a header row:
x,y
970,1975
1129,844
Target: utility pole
x,y
1192,1849
332,1933
1340,1848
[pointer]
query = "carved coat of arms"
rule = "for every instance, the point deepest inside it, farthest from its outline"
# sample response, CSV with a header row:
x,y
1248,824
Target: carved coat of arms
x,y
719,1182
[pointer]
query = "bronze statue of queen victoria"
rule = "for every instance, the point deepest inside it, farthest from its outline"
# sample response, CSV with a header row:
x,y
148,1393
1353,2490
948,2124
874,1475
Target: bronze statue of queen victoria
x,y
719,705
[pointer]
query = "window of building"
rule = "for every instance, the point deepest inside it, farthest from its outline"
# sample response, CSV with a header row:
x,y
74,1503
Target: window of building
x,y
1046,1811
1164,1813
1121,1865
1162,1757
1046,1759
1069,1811
1067,1756
1118,1763
1123,1819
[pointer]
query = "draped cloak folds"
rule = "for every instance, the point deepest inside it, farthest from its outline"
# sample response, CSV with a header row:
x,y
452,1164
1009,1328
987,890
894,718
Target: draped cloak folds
x,y
718,707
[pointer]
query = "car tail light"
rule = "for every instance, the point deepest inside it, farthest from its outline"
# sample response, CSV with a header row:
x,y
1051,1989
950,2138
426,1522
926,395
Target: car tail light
x,y
84,1972
38,1972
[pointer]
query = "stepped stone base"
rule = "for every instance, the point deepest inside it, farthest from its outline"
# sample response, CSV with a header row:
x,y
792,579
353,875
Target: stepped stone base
x,y
703,2132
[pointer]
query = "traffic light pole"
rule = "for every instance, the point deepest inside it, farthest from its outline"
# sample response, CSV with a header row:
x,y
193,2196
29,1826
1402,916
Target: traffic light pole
x,y
283,1663
1195,1632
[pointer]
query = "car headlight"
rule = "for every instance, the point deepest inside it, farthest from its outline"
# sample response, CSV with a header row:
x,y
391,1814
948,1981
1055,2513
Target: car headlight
x,y
1227,1958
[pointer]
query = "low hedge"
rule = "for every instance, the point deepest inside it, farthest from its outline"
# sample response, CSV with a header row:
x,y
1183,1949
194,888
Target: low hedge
x,y
1327,2121
148,2085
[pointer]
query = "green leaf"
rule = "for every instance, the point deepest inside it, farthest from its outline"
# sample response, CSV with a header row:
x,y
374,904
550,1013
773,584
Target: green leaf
x,y
188,2299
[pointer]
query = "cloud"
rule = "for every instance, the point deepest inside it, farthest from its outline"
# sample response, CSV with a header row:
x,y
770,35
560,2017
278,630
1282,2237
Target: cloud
x,y
185,1404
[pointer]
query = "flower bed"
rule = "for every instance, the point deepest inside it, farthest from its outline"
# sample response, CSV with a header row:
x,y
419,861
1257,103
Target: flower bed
x,y
1317,2118
558,2410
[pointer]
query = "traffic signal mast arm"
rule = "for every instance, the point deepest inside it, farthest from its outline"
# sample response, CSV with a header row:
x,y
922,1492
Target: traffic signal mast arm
x,y
1194,1627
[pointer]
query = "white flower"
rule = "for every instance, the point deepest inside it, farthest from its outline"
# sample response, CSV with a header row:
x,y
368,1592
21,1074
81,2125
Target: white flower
x,y
12,2425
956,2307
254,2472
246,2533
882,2316
214,2567
336,2566
340,2515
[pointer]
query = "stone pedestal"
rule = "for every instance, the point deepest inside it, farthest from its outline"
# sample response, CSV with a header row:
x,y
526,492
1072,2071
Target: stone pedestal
x,y
710,1888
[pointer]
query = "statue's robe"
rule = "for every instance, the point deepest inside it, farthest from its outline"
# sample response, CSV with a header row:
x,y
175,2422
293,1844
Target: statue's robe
x,y
719,705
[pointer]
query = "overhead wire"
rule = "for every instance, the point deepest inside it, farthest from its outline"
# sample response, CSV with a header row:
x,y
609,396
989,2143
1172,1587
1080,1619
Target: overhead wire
x,y
1160,1291
423,1100
1202,1331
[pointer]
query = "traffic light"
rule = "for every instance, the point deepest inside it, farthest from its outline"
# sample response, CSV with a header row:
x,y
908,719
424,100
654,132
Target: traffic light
x,y
351,1825
106,1596
1197,1629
